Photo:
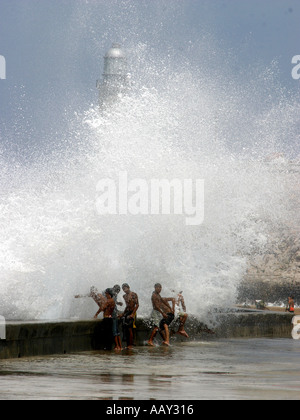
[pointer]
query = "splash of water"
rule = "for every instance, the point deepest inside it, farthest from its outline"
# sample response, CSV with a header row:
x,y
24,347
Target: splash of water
x,y
184,125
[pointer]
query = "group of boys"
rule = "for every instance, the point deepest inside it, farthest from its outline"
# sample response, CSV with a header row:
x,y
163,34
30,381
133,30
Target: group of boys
x,y
107,302
164,312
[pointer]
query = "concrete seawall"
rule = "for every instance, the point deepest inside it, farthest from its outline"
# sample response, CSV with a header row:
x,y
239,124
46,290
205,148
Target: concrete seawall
x,y
26,339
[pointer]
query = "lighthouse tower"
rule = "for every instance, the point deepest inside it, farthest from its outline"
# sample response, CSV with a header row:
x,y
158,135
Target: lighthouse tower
x,y
115,77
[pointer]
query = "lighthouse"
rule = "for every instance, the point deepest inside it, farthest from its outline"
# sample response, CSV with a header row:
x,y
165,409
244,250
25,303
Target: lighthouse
x,y
115,77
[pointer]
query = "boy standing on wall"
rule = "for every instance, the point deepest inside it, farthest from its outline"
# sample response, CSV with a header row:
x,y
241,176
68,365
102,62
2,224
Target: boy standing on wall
x,y
129,315
162,315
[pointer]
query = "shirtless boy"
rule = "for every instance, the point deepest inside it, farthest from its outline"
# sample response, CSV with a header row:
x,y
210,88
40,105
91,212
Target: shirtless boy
x,y
108,306
180,310
98,298
132,305
162,315
108,309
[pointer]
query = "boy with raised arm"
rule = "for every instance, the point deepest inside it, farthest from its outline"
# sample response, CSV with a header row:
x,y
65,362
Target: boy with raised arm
x,y
98,298
162,315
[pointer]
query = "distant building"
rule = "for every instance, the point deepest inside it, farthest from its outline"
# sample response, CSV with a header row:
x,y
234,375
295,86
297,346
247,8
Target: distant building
x,y
115,77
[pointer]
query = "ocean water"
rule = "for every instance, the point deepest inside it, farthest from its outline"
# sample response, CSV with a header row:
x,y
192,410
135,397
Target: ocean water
x,y
182,119
254,369
55,244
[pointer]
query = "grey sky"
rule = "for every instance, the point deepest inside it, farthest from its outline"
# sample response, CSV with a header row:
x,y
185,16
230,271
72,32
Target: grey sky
x,y
54,48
